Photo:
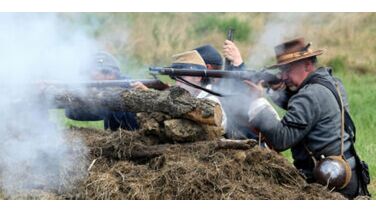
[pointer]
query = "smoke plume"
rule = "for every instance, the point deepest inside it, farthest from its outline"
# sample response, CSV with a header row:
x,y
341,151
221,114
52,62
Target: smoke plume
x,y
279,27
34,153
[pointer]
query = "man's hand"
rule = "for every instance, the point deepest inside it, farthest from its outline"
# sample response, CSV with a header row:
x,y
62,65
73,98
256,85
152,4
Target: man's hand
x,y
139,86
256,89
232,53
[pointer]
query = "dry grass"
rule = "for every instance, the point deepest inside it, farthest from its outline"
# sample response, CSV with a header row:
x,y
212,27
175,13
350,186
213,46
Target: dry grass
x,y
152,38
190,171
349,36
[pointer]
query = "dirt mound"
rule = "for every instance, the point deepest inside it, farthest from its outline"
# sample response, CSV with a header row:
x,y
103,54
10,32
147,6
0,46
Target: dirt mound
x,y
129,165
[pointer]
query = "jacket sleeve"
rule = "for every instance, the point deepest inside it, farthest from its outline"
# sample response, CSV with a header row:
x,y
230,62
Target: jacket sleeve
x,y
240,67
303,112
85,115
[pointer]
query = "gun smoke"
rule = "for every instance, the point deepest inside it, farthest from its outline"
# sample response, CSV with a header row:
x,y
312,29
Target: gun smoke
x,y
280,27
33,151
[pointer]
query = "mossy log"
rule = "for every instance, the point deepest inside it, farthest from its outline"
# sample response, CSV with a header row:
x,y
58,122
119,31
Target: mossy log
x,y
177,130
175,102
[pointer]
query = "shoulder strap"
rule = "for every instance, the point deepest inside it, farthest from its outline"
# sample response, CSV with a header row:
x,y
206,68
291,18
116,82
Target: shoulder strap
x,y
349,124
182,80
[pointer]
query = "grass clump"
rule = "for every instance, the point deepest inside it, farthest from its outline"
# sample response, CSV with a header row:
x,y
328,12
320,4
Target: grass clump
x,y
211,24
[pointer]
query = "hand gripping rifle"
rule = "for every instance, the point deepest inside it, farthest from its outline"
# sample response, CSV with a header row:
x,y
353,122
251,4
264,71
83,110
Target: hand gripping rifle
x,y
253,76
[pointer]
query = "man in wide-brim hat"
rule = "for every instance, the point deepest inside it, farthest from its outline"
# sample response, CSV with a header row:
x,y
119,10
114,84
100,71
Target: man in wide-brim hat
x,y
312,125
290,56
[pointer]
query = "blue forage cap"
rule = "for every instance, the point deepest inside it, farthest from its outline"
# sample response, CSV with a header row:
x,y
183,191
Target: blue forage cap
x,y
210,55
103,61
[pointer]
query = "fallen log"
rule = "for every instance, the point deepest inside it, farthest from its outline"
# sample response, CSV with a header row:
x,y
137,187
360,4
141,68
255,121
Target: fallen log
x,y
182,130
169,130
175,102
236,144
128,151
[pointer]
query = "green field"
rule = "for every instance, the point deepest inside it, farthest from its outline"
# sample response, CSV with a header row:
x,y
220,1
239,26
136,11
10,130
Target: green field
x,y
57,116
362,96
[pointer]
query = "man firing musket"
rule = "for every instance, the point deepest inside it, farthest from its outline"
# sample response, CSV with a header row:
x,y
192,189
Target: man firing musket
x,y
105,72
213,82
317,125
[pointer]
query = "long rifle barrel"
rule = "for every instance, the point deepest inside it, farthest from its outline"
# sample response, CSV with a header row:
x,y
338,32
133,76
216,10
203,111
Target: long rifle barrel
x,y
150,83
254,76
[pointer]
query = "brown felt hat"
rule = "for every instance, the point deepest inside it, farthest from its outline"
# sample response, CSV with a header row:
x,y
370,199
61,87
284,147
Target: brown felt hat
x,y
292,51
188,59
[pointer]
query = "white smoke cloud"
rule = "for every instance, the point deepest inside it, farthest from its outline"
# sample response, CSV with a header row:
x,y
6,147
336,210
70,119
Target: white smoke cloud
x,y
279,28
33,151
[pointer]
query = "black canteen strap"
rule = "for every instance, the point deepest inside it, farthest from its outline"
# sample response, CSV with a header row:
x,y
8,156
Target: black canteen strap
x,y
351,130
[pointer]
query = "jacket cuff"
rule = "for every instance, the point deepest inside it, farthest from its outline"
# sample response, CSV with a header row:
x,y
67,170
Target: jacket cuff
x,y
262,115
241,66
256,107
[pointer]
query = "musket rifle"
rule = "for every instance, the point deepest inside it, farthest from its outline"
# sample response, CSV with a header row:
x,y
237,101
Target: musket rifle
x,y
123,83
251,75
